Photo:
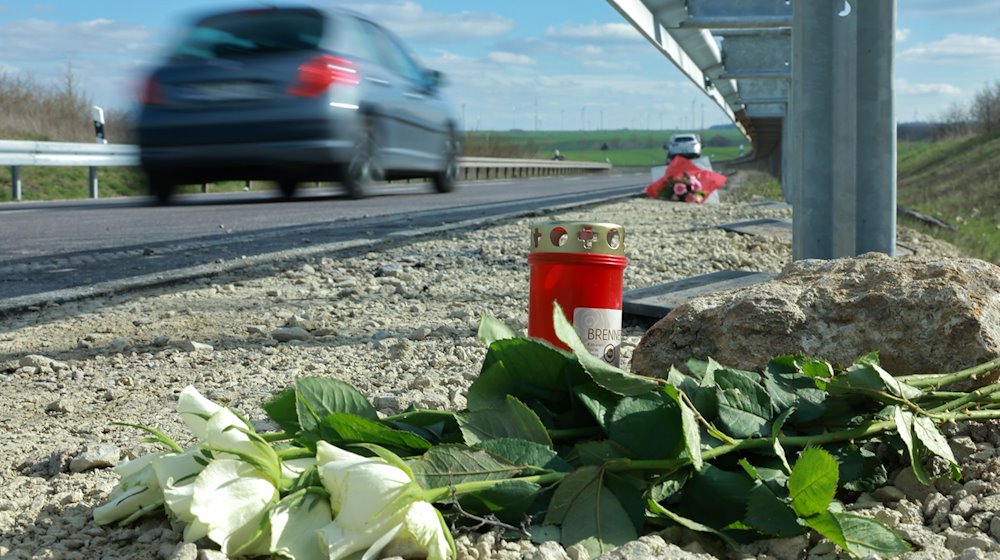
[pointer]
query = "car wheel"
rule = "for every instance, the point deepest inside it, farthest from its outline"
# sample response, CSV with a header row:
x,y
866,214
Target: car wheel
x,y
161,188
444,180
288,187
361,171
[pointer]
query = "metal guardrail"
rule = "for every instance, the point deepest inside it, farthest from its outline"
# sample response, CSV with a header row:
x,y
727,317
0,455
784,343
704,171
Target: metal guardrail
x,y
18,153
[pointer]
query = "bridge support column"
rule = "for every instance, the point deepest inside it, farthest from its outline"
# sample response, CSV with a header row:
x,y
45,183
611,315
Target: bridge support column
x,y
842,161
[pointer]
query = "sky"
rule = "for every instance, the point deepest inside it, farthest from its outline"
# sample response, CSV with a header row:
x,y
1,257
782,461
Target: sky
x,y
526,64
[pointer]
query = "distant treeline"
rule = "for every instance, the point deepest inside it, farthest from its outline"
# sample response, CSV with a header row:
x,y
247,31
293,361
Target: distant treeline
x,y
30,110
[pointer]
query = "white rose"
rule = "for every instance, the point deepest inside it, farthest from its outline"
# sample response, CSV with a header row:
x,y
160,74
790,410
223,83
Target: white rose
x,y
137,493
229,499
376,505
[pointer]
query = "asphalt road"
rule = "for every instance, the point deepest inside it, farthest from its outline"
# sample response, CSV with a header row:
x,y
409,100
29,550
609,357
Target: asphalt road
x,y
71,249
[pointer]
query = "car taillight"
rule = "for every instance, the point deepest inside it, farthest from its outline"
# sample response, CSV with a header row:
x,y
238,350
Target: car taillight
x,y
320,73
152,92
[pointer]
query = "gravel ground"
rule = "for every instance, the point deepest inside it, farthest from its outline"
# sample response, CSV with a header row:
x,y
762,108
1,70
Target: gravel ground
x,y
400,325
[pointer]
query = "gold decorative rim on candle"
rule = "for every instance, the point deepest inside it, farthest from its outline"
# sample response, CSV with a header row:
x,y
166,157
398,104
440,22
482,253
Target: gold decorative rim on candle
x,y
594,238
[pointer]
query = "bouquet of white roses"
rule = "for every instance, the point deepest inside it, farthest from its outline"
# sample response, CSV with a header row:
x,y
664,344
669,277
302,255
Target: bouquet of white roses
x,y
561,444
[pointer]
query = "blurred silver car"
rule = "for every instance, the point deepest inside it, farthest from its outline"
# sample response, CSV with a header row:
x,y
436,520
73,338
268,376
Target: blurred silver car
x,y
290,95
687,145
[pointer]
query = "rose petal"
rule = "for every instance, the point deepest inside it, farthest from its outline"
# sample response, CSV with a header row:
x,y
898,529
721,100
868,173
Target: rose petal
x,y
295,525
230,497
195,410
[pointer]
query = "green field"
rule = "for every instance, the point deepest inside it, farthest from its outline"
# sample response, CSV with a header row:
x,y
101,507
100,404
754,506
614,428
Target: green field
x,y
624,148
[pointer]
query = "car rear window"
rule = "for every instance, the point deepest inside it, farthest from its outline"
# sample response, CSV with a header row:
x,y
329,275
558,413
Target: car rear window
x,y
251,32
684,139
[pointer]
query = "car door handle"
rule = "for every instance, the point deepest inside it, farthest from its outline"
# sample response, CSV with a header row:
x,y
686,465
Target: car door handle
x,y
378,81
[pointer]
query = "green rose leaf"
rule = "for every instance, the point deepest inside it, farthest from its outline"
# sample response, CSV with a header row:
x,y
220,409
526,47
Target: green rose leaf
x,y
790,388
343,429
492,330
770,514
589,513
715,497
511,419
526,369
281,408
604,374
597,400
318,397
904,426
596,452
866,537
813,482
827,524
745,408
860,469
436,426
526,454
649,426
689,427
509,500
445,465
927,433
660,511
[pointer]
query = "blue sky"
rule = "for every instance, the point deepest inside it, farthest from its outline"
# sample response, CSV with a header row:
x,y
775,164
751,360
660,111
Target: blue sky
x,y
573,63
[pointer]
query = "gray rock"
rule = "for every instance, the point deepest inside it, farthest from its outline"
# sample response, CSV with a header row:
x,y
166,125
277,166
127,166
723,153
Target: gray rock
x,y
184,551
193,346
652,546
790,548
965,506
34,360
60,406
161,341
386,402
95,456
914,489
288,334
935,504
209,554
420,333
119,344
943,317
888,494
577,552
962,447
957,542
990,503
549,550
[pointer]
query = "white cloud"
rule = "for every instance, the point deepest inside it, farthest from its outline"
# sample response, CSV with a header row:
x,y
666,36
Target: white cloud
x,y
905,88
611,64
38,40
595,31
504,57
410,20
589,51
902,35
972,49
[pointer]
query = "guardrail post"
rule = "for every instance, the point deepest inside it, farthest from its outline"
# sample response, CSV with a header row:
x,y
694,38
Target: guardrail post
x,y
92,182
15,182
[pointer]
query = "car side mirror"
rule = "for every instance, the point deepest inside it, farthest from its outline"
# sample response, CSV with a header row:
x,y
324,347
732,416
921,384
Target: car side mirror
x,y
434,79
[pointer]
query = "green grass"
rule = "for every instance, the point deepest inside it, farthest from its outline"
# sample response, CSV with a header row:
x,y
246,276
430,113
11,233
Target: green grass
x,y
958,182
756,186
